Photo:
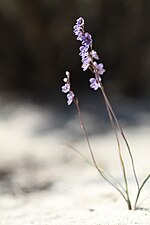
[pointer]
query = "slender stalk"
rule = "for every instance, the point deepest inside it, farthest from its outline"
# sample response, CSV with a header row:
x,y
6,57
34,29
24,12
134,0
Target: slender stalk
x,y
122,133
103,171
137,207
91,152
120,155
138,194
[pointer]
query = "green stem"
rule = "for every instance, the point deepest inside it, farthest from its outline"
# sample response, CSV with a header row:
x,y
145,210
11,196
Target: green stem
x,y
91,152
122,133
120,155
143,201
103,171
138,194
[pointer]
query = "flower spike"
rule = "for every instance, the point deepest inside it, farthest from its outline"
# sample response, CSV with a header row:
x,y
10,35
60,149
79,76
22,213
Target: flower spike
x,y
66,88
88,55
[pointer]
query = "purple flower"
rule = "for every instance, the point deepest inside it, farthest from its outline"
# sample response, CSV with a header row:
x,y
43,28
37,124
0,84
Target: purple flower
x,y
79,28
95,84
80,21
80,36
88,55
66,88
99,68
86,62
78,32
94,54
83,51
85,66
70,97
87,39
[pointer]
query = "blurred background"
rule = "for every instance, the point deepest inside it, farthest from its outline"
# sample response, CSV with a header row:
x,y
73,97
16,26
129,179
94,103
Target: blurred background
x,y
37,46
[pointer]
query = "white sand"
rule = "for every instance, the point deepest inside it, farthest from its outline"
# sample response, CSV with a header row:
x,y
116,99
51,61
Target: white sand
x,y
37,155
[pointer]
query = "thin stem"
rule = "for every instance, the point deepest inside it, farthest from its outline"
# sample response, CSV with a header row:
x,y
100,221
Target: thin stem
x,y
88,161
138,194
122,133
120,155
137,207
91,152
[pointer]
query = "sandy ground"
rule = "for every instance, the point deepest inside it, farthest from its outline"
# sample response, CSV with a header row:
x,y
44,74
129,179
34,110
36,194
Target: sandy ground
x,y
44,182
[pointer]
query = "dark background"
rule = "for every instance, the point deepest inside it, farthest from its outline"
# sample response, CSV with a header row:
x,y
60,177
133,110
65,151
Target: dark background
x,y
37,46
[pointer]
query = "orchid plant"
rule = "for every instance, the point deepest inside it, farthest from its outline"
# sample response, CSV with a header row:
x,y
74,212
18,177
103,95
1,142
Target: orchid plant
x,y
89,59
